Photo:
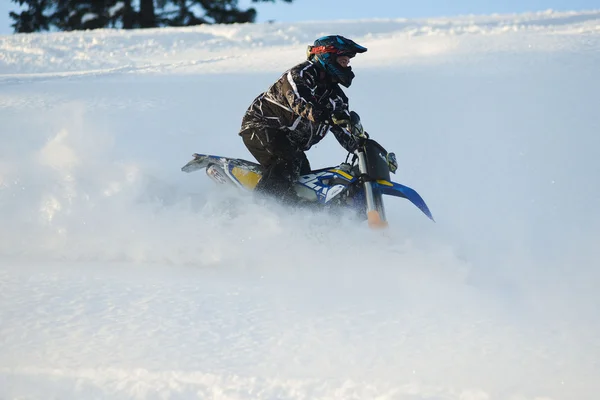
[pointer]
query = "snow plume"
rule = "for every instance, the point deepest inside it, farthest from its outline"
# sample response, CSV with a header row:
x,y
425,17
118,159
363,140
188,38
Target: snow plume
x,y
57,172
68,195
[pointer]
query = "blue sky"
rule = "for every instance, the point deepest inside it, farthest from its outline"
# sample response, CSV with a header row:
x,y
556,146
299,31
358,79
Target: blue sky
x,y
302,10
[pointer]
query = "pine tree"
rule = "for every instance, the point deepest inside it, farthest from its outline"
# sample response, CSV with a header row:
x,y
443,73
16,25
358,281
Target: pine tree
x,y
72,15
32,19
68,15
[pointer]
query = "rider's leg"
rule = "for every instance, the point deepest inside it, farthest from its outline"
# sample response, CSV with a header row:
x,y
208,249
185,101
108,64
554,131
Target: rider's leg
x,y
282,162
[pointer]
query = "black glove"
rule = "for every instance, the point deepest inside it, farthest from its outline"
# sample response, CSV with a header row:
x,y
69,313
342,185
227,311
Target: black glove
x,y
342,120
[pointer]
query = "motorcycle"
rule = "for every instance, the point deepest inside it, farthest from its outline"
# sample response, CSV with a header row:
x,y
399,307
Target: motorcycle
x,y
358,185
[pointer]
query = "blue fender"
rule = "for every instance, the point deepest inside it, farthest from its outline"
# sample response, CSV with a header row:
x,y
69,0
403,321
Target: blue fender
x,y
398,190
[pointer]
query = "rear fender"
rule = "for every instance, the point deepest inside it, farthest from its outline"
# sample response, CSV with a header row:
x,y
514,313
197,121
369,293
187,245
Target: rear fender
x,y
241,173
201,161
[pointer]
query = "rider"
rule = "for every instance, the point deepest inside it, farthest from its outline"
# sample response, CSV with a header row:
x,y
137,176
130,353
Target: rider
x,y
297,111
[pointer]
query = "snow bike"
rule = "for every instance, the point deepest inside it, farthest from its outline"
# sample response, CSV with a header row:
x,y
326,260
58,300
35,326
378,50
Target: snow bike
x,y
358,185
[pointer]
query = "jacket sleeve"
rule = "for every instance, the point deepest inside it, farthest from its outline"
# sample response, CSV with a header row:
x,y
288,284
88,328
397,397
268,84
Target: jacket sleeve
x,y
299,84
343,133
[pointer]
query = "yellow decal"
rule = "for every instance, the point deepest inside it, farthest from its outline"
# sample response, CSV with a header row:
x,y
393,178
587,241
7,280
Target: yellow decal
x,y
247,178
342,173
386,183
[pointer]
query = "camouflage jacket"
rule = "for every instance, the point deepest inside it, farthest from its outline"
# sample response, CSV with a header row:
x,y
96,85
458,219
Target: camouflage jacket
x,y
300,104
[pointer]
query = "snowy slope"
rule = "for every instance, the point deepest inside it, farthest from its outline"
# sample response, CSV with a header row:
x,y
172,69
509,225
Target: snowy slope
x,y
122,277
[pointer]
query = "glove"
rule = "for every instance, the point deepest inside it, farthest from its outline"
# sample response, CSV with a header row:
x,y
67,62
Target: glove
x,y
392,163
342,120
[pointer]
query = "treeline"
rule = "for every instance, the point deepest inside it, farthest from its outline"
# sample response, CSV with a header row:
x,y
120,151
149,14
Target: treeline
x,y
70,15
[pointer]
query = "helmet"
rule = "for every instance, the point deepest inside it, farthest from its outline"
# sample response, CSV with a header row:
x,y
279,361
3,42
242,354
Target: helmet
x,y
325,51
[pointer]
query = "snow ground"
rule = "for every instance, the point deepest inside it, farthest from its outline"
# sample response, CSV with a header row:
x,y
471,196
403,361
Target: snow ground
x,y
122,277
